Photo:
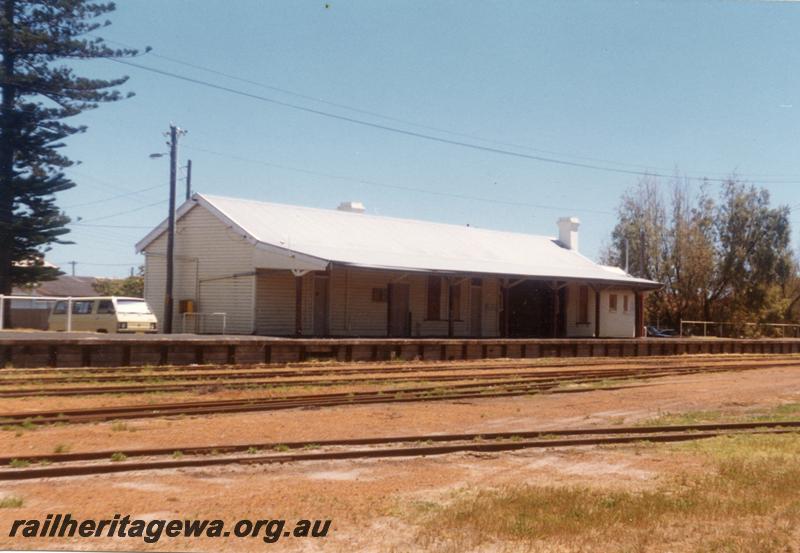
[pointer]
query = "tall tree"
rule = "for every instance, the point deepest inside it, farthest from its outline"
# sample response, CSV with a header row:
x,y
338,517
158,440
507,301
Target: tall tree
x,y
726,259
754,260
40,40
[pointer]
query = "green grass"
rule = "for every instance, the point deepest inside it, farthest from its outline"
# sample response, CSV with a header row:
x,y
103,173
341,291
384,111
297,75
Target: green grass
x,y
11,502
280,448
61,448
27,424
776,414
747,494
19,463
118,456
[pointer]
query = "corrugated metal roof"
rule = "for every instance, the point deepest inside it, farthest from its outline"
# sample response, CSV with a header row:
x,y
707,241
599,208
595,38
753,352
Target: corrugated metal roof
x,y
364,240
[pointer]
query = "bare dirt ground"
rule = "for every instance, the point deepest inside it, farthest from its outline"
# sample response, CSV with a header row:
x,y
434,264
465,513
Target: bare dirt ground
x,y
371,502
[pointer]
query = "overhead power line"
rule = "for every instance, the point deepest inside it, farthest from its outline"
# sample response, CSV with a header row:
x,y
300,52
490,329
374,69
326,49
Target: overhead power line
x,y
424,136
99,264
376,114
354,109
110,198
401,187
120,213
81,224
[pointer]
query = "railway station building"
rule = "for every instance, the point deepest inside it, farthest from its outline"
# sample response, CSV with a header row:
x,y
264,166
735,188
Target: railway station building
x,y
281,270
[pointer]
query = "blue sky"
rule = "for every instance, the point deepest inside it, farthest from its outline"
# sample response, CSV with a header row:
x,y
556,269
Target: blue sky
x,y
702,88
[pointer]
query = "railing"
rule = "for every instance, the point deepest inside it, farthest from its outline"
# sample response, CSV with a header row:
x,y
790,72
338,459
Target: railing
x,y
794,329
199,322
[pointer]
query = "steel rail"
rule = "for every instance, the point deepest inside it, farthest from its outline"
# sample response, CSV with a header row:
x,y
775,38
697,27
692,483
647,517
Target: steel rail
x,y
231,383
270,373
98,390
357,367
518,387
620,436
573,378
221,449
289,402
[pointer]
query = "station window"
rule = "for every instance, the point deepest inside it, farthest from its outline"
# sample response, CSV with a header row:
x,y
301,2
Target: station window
x,y
612,302
625,303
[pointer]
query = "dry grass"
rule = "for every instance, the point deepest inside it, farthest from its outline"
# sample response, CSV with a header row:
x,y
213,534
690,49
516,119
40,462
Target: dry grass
x,y
747,501
11,502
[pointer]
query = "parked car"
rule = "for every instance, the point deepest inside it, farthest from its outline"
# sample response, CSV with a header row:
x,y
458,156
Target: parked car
x,y
106,315
653,332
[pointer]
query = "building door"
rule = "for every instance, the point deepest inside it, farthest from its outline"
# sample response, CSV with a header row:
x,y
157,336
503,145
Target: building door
x,y
476,310
398,321
532,310
321,306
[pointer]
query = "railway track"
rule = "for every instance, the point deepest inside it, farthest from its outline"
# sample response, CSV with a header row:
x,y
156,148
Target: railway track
x,y
260,380
82,463
74,374
448,391
310,401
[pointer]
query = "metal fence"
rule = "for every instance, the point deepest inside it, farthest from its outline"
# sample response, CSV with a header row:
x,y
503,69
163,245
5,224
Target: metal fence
x,y
739,330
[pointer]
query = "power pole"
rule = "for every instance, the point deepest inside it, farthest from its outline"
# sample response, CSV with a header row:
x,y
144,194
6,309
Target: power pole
x,y
174,133
188,179
73,263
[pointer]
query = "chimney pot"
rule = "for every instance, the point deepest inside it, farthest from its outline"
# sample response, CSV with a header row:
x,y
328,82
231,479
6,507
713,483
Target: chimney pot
x,y
568,232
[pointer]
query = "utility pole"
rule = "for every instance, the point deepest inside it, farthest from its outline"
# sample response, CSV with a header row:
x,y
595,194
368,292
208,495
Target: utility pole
x,y
73,263
174,133
188,179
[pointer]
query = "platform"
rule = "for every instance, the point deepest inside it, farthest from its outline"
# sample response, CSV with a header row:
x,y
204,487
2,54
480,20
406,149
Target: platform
x,y
42,349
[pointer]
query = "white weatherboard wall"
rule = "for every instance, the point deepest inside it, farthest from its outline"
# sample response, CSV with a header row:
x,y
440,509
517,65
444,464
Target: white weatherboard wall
x,y
352,309
613,324
619,323
208,255
575,329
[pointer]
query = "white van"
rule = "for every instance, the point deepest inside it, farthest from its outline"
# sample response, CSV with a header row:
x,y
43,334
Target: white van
x,y
104,314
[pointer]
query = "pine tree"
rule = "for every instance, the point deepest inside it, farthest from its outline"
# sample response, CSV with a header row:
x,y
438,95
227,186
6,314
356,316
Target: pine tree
x,y
40,94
